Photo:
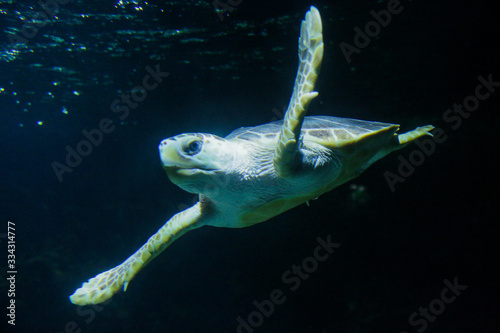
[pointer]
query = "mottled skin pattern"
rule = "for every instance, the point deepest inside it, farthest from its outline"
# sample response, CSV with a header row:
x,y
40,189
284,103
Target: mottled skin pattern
x,y
310,57
256,173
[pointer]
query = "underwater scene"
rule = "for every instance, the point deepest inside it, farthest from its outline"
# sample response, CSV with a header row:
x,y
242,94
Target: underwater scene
x,y
378,195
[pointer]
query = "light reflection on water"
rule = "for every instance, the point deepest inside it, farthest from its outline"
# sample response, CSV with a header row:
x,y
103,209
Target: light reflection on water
x,y
85,44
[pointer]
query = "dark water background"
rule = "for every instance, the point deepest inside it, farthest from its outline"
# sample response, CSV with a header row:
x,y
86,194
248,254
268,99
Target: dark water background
x,y
396,247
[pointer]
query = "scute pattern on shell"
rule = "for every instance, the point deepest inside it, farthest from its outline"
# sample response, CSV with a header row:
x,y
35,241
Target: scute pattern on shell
x,y
325,128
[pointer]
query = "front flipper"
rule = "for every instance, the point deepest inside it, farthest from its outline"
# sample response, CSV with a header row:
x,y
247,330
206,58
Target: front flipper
x,y
310,56
105,285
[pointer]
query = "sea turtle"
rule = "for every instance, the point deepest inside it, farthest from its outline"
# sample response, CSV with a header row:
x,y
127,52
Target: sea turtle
x,y
256,173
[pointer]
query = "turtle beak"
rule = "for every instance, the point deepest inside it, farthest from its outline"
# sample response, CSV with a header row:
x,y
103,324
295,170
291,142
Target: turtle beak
x,y
169,155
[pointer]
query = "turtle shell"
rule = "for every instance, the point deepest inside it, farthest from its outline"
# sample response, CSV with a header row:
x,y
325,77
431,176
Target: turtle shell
x,y
332,132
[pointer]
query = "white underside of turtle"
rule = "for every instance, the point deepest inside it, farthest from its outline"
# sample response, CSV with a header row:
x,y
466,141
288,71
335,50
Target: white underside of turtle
x,y
256,173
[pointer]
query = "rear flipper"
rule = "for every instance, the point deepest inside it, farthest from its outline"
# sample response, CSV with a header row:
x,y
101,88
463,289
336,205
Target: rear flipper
x,y
410,136
398,142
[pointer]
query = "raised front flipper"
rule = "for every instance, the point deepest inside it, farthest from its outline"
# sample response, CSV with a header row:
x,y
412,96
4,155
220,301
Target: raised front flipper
x,y
106,284
310,56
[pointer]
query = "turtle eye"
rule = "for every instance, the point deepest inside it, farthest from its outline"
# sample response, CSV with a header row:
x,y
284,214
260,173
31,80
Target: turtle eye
x,y
193,147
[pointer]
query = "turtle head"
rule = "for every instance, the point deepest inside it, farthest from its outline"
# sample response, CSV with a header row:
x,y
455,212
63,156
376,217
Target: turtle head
x,y
194,161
